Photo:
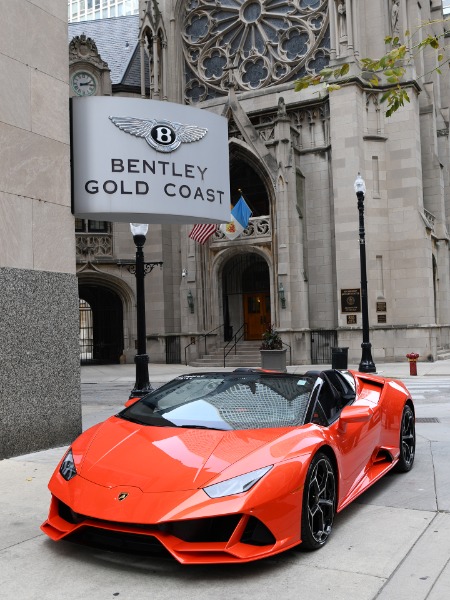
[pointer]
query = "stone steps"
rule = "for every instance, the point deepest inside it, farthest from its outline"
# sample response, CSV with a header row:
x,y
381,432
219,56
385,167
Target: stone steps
x,y
247,355
443,354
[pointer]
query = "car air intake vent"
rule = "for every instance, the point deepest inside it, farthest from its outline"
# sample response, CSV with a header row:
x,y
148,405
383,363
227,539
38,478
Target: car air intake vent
x,y
214,529
257,534
118,541
66,513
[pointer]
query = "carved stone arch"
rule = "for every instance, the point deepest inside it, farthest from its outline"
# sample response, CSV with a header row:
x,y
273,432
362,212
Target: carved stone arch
x,y
93,283
373,113
153,41
372,97
221,258
109,281
218,265
261,197
148,33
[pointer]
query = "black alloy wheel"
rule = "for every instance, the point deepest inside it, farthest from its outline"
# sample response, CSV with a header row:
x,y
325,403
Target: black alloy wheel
x,y
407,441
319,503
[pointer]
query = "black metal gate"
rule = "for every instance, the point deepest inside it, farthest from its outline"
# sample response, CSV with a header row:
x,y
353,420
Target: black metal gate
x,y
101,325
322,341
173,350
86,333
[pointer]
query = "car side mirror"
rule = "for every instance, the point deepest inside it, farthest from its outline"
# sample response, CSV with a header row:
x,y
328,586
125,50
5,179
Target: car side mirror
x,y
354,414
131,401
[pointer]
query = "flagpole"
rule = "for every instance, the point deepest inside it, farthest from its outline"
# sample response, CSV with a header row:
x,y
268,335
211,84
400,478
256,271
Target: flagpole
x,y
245,200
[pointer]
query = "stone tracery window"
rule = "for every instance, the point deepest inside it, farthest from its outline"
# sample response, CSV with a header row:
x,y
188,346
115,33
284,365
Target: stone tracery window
x,y
262,43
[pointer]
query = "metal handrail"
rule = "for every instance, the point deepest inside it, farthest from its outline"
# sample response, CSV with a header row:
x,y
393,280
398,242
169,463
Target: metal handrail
x,y
202,335
234,346
236,340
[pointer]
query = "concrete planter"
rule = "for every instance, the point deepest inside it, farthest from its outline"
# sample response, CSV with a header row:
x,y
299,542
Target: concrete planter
x,y
274,360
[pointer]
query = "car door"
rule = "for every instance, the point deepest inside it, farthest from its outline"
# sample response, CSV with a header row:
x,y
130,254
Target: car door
x,y
355,441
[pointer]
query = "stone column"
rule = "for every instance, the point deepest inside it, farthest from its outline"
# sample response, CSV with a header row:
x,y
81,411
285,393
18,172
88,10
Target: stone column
x,y
142,54
155,68
290,242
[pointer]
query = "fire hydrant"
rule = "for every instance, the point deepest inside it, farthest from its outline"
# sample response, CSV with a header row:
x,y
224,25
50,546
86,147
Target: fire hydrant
x,y
412,357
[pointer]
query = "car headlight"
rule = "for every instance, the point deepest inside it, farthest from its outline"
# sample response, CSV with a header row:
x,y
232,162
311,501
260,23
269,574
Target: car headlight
x,y
237,485
67,468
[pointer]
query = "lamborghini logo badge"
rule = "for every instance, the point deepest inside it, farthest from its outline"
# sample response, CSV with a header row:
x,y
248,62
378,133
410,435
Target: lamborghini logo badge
x,y
122,496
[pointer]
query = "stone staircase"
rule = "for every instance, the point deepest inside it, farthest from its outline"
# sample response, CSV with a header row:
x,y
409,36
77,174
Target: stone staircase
x,y
247,355
443,354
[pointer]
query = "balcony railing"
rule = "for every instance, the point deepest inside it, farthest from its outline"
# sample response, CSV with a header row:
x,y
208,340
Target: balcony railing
x,y
259,230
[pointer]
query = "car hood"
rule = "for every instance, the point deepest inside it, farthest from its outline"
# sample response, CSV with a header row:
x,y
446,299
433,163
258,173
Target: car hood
x,y
163,459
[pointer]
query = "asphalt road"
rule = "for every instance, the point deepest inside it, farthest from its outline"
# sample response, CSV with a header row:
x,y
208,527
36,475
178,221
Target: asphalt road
x,y
393,543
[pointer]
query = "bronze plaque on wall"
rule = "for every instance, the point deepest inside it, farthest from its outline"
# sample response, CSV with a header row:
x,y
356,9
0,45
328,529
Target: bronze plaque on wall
x,y
381,306
351,301
351,320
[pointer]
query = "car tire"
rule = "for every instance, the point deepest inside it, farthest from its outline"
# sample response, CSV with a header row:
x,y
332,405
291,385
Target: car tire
x,y
407,441
319,503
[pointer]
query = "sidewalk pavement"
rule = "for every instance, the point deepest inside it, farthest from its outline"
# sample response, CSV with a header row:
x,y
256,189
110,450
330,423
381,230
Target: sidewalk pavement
x,y
392,543
162,373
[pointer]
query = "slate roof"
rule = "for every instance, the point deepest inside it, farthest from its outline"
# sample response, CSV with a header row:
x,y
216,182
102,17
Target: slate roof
x,y
117,43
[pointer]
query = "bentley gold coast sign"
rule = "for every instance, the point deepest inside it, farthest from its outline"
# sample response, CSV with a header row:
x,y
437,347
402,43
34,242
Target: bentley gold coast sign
x,y
146,161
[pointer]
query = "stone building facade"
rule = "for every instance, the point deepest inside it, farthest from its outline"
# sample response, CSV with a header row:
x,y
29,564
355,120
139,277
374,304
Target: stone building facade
x,y
39,355
294,156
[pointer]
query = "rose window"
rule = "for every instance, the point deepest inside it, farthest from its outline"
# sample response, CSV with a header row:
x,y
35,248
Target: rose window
x,y
254,43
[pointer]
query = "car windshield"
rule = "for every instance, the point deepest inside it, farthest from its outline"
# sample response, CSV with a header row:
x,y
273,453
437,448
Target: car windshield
x,y
225,401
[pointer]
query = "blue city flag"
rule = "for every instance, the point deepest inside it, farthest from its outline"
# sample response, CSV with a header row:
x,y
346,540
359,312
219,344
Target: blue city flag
x,y
241,212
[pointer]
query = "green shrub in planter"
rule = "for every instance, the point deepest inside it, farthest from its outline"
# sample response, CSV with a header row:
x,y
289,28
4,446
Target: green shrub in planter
x,y
271,339
273,356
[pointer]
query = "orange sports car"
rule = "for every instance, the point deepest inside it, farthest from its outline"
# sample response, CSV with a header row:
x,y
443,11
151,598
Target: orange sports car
x,y
231,466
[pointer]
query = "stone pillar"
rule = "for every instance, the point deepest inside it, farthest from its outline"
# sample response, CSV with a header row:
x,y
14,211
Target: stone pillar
x,y
155,68
39,353
289,239
142,53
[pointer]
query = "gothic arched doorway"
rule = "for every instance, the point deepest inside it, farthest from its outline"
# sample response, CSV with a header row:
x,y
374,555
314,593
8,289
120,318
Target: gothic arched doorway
x,y
246,295
101,325
245,180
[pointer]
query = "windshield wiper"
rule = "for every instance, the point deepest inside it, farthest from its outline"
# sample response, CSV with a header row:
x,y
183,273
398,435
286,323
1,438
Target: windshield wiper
x,y
164,423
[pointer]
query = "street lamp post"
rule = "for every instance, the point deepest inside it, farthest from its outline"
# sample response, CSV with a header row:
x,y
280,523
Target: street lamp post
x,y
366,365
140,270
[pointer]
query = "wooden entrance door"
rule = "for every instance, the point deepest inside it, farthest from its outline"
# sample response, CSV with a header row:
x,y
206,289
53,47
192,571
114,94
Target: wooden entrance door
x,y
256,314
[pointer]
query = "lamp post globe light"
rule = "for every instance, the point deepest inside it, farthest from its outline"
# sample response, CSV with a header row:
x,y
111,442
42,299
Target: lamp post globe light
x,y
366,365
142,385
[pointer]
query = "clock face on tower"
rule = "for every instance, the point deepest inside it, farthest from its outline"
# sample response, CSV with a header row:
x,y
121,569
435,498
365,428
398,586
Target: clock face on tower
x,y
83,83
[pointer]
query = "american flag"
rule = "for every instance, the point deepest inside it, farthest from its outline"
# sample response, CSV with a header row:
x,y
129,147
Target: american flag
x,y
202,232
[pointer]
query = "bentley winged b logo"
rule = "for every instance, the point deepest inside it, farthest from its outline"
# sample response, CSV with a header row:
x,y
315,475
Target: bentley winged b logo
x,y
161,135
122,496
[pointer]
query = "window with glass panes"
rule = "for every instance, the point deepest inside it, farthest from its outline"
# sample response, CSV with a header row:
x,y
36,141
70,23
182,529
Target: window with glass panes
x,y
84,10
88,226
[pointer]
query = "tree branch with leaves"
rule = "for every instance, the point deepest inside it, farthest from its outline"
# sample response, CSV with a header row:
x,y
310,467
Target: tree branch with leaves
x,y
388,70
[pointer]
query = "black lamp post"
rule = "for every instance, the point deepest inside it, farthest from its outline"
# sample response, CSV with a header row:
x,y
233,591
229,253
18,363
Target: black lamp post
x,y
366,365
140,270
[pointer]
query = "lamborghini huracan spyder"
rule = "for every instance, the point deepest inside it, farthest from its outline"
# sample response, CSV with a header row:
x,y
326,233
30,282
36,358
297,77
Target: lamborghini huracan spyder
x,y
232,466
